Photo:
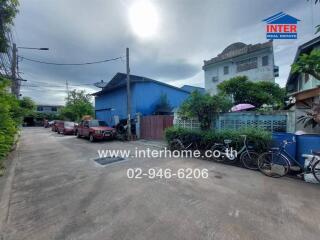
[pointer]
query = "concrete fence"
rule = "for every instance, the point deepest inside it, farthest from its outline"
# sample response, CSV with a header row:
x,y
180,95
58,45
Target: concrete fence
x,y
276,121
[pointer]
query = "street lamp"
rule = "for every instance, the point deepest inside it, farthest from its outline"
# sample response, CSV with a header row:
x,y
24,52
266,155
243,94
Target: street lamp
x,y
33,48
15,87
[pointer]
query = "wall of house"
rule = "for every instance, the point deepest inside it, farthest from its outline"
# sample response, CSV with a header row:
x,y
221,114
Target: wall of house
x,y
115,102
147,95
48,109
265,73
144,98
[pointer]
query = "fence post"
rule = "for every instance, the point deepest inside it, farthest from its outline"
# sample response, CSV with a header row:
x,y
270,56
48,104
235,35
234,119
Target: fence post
x,y
291,122
138,125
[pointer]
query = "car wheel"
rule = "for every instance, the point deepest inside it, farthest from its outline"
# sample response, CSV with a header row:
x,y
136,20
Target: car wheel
x,y
91,138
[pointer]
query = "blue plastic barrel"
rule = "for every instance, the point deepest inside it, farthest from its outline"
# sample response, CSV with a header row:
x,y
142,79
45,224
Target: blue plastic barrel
x,y
277,141
307,143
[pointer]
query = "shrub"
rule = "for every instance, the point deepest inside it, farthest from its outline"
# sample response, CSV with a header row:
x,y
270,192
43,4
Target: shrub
x,y
10,118
258,138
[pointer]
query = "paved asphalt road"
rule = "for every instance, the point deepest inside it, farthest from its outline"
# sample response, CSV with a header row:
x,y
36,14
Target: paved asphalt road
x,y
58,192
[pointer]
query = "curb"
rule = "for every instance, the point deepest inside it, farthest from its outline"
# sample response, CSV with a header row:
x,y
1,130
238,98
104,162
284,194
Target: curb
x,y
8,181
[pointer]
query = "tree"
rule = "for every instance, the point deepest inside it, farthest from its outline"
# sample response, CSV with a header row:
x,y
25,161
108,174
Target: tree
x,y
312,116
308,63
256,93
27,105
78,104
9,120
204,107
163,105
8,11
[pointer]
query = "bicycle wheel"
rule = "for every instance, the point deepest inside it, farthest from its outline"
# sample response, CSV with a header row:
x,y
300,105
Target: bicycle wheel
x,y
273,164
249,160
176,144
316,170
218,152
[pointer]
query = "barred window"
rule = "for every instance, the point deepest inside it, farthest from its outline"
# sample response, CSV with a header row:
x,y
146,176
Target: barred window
x,y
265,60
247,64
215,79
225,70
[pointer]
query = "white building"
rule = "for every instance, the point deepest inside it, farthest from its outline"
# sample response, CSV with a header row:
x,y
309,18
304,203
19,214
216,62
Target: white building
x,y
254,61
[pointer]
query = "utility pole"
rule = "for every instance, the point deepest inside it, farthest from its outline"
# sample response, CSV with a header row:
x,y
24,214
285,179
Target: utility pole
x,y
67,89
128,96
14,84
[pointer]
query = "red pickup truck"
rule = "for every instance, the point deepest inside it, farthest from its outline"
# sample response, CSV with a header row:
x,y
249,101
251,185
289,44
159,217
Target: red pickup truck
x,y
95,129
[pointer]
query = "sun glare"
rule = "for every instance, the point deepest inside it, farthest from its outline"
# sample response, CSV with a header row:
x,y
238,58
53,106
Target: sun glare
x,y
143,18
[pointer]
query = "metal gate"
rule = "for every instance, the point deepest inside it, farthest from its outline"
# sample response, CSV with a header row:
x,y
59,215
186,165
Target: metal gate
x,y
152,127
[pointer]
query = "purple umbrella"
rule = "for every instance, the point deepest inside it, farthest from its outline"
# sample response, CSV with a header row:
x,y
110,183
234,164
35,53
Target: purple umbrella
x,y
241,107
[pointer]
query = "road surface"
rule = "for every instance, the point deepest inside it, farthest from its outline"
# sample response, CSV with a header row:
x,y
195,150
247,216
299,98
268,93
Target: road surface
x,y
57,191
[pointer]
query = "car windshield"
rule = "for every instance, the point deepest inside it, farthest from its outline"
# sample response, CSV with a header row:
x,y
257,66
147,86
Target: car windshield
x,y
69,124
97,123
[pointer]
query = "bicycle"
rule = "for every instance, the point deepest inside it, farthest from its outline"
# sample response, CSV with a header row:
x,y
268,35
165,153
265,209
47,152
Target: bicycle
x,y
177,144
246,154
277,162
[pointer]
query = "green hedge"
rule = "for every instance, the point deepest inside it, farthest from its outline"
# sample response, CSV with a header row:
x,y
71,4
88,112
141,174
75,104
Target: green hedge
x,y
258,138
9,121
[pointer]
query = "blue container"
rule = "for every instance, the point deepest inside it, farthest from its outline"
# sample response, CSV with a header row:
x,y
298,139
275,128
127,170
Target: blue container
x,y
307,143
277,141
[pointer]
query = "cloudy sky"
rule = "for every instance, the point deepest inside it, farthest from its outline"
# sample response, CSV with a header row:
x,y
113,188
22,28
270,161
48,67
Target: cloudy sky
x,y
168,39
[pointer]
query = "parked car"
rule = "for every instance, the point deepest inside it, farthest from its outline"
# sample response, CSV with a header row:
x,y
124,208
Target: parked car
x,y
66,128
54,125
59,125
95,129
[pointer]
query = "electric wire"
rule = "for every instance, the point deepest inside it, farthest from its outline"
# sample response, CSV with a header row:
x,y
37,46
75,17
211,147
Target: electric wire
x,y
69,64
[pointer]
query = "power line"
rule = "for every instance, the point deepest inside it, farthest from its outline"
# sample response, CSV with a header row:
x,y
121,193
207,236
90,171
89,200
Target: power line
x,y
46,84
70,64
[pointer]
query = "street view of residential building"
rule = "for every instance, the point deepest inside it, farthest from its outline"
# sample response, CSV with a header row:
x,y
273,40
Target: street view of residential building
x,y
157,119
255,61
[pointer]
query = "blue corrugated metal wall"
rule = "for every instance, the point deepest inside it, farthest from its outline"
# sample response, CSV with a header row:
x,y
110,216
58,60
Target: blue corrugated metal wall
x,y
144,98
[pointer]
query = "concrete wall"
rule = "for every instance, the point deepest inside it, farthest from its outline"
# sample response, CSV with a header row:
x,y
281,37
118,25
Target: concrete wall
x,y
261,73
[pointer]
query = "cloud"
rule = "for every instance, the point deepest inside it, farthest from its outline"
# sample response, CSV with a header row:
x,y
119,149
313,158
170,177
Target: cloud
x,y
189,32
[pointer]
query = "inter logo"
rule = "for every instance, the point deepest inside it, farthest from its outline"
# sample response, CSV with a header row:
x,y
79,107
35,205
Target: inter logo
x,y
281,26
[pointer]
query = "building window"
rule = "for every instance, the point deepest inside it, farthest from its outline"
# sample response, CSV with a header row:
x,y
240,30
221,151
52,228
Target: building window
x,y
40,109
215,79
306,77
53,109
265,60
225,70
247,64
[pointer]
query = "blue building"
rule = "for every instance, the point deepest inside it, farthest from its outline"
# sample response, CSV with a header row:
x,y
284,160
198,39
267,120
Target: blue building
x,y
193,89
111,101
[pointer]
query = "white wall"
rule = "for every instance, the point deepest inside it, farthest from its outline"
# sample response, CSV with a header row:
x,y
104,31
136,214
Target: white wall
x,y
264,73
